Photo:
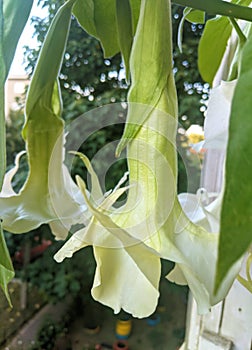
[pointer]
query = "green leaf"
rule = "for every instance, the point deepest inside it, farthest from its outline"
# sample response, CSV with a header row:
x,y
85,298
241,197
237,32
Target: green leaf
x,y
135,10
236,216
191,15
13,17
212,46
196,16
6,268
125,31
98,18
84,12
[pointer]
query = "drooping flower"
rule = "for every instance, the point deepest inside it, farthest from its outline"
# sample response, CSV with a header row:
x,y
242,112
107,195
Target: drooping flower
x,y
127,273
204,208
125,239
44,136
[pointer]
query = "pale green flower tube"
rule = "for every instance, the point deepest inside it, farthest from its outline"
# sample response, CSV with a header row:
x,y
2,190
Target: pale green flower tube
x,y
43,133
128,271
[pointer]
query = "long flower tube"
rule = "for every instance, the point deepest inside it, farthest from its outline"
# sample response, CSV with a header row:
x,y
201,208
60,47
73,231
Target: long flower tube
x,y
126,266
128,242
43,133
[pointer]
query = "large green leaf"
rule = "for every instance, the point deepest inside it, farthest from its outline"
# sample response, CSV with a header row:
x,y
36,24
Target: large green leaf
x,y
98,18
6,268
236,216
84,12
135,9
13,17
212,46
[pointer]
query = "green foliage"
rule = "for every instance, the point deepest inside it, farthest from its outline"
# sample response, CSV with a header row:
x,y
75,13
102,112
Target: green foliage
x,y
101,23
212,46
13,17
58,281
49,332
195,16
6,268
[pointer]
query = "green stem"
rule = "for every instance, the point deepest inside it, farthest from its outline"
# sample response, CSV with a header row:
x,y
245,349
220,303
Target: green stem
x,y
239,32
246,284
218,7
2,114
2,138
248,264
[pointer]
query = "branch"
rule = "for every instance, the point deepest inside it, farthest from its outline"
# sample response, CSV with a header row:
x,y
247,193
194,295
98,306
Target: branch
x,y
218,7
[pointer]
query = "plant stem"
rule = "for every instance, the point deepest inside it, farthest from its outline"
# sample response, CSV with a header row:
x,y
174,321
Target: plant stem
x,y
218,7
238,30
246,284
2,138
2,114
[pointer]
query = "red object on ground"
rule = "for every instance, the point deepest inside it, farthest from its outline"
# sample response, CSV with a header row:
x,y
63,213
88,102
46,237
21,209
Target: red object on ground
x,y
34,253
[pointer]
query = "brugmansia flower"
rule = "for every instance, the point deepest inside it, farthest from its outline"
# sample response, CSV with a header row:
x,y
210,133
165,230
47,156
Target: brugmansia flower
x,y
128,242
43,133
204,208
125,266
125,239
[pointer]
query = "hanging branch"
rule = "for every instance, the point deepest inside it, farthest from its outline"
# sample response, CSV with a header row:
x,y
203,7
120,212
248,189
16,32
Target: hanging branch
x,y
218,7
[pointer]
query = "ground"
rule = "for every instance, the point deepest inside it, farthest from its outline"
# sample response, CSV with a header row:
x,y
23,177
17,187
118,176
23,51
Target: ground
x,y
168,334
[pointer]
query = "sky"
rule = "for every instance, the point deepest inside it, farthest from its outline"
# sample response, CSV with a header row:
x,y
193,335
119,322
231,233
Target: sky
x,y
17,67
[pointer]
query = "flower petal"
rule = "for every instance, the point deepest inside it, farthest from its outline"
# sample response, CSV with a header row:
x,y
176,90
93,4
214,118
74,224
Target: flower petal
x,y
7,189
122,274
127,279
196,259
218,113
